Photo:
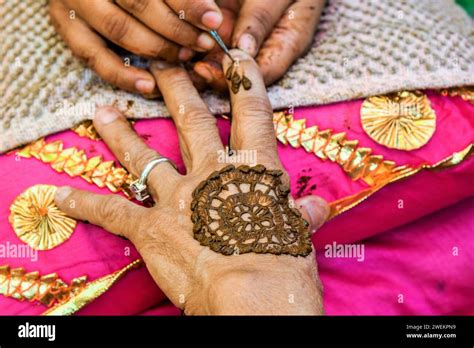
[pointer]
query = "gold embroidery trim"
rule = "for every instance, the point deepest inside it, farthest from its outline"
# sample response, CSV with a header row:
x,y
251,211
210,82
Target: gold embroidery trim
x,y
47,289
346,203
87,130
75,163
357,162
90,292
37,221
465,92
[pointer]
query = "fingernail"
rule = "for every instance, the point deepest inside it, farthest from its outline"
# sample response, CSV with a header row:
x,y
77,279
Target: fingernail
x,y
316,209
62,193
205,73
211,19
144,86
107,115
205,41
248,44
185,54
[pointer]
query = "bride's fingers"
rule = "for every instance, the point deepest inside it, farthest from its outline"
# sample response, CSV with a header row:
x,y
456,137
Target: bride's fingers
x,y
131,150
114,213
198,134
252,116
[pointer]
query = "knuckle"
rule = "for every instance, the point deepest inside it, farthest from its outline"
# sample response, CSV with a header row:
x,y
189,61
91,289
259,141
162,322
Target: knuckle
x,y
254,107
89,56
116,27
262,22
156,49
178,80
196,118
141,157
135,6
181,33
195,9
110,209
176,28
92,58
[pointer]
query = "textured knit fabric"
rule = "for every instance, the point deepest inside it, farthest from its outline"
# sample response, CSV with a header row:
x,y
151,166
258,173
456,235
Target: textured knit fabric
x,y
362,48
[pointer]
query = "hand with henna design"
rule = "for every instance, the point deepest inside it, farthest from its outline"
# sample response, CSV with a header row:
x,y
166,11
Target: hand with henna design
x,y
281,278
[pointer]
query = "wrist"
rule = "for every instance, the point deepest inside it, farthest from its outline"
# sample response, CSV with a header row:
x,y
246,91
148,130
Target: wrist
x,y
260,285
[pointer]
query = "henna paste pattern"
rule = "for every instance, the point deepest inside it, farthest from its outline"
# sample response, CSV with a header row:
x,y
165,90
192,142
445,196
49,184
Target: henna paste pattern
x,y
236,80
246,209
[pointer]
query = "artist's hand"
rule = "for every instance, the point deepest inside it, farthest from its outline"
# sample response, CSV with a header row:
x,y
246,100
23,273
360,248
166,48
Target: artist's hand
x,y
276,32
195,278
170,29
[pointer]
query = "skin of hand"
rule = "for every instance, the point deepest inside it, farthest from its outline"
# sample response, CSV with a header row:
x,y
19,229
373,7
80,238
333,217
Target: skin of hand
x,y
195,278
168,29
275,32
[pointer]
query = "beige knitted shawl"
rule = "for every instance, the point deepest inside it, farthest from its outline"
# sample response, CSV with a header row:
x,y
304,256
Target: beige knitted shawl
x,y
362,48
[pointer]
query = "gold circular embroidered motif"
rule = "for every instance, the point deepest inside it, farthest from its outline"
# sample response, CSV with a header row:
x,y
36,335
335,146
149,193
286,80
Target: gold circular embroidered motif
x,y
246,209
402,120
37,220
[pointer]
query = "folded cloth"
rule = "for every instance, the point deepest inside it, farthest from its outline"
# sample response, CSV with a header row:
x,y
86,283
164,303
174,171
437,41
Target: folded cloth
x,y
361,48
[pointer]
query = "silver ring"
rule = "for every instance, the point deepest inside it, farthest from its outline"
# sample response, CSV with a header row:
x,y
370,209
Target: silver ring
x,y
139,187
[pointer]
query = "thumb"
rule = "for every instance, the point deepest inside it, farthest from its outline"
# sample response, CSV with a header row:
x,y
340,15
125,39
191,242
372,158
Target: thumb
x,y
314,209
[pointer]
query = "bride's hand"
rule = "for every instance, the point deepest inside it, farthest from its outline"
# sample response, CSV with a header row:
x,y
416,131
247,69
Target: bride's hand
x,y
194,277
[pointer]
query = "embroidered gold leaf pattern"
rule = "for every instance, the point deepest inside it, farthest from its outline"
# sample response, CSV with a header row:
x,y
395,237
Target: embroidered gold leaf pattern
x,y
346,203
357,162
86,129
48,289
74,162
37,220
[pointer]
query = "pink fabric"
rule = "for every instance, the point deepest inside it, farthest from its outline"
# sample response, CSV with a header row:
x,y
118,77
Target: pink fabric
x,y
93,252
430,262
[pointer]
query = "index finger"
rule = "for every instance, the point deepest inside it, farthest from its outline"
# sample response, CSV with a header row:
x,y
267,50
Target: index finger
x,y
252,115
204,14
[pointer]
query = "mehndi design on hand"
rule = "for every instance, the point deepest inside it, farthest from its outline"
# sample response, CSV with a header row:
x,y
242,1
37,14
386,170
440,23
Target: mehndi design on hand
x,y
236,80
246,209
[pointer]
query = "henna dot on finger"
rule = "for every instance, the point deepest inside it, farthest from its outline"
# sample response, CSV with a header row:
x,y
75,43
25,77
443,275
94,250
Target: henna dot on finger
x,y
246,209
236,80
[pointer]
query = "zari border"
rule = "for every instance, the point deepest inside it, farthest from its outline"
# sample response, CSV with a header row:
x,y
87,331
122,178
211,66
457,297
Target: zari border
x,y
75,162
47,289
346,203
465,92
357,162
90,292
